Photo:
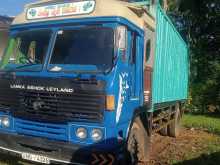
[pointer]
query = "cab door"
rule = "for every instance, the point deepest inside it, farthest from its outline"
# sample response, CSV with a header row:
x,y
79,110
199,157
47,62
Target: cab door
x,y
132,42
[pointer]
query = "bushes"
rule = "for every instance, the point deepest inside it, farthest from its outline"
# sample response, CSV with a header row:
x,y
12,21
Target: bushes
x,y
205,84
198,20
204,98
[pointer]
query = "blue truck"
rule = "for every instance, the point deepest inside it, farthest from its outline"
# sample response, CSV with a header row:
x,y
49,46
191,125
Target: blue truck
x,y
90,81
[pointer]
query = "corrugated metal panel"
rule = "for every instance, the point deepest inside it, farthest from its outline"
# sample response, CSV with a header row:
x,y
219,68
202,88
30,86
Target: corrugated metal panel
x,y
170,77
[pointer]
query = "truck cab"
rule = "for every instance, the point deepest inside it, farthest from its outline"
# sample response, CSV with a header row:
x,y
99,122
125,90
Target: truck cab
x,y
76,82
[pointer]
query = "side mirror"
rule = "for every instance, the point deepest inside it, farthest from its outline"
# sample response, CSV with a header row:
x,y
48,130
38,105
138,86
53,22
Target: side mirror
x,y
121,37
121,41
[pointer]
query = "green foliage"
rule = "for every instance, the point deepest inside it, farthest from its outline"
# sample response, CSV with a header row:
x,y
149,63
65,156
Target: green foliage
x,y
209,123
200,19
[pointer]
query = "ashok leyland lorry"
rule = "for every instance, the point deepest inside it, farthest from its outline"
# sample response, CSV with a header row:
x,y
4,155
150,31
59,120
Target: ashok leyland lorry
x,y
89,81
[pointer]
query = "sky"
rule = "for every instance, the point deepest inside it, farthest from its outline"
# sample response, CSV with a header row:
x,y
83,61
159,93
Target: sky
x,y
13,7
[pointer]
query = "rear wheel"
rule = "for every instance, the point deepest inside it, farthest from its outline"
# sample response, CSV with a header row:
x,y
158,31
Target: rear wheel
x,y
174,126
139,144
164,131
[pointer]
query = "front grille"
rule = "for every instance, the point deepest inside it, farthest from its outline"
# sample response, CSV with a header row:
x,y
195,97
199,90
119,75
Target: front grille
x,y
85,104
8,98
61,107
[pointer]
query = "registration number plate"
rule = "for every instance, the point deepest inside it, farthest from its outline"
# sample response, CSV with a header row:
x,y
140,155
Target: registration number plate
x,y
35,158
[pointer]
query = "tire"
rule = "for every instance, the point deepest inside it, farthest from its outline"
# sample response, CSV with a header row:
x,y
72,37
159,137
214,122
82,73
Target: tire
x,y
164,131
138,144
174,127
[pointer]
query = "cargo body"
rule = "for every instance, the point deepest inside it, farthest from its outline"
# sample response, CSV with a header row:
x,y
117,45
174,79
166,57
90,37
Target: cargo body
x,y
170,77
81,79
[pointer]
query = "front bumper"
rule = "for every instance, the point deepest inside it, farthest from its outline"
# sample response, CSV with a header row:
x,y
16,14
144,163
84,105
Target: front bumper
x,y
58,152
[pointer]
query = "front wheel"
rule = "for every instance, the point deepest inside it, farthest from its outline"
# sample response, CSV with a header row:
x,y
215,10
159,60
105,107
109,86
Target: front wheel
x,y
139,143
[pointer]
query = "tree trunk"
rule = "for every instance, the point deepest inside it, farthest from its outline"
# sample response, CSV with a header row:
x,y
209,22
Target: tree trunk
x,y
165,5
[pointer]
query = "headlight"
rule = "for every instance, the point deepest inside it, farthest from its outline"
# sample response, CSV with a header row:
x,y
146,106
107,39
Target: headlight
x,y
81,133
96,135
5,121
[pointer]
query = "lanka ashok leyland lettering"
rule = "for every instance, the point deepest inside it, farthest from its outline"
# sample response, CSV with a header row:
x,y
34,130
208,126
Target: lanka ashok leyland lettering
x,y
41,88
89,81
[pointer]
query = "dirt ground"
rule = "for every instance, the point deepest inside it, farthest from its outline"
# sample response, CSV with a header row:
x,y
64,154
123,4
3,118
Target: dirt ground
x,y
191,147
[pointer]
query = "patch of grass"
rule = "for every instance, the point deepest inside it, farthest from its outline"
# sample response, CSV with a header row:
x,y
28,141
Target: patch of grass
x,y
209,123
11,160
208,145
208,148
208,159
8,160
207,154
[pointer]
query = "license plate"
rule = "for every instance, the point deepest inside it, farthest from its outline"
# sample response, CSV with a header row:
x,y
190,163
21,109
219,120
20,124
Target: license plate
x,y
35,158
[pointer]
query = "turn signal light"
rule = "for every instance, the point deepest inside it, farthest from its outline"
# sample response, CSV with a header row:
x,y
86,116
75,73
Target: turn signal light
x,y
110,103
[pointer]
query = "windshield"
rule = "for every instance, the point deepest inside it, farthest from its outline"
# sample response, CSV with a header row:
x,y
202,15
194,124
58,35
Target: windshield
x,y
26,51
86,50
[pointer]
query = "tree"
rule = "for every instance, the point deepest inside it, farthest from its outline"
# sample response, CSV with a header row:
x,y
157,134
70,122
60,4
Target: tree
x,y
201,19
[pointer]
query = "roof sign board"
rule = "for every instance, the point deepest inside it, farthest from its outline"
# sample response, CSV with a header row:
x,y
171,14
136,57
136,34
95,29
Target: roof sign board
x,y
59,10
